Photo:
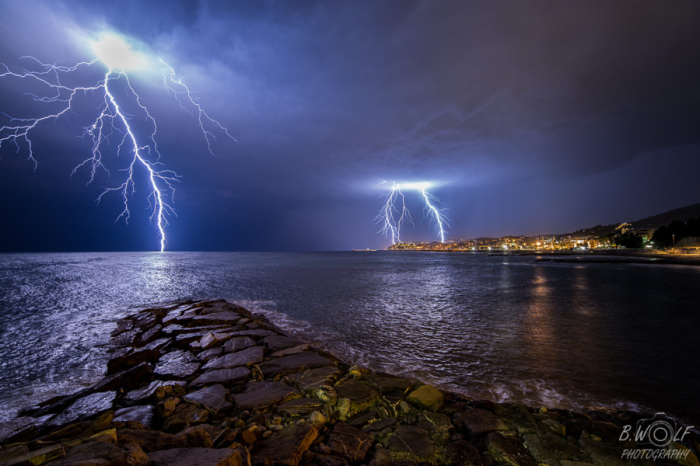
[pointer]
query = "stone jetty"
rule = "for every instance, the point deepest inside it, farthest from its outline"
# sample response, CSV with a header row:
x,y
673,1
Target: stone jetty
x,y
211,384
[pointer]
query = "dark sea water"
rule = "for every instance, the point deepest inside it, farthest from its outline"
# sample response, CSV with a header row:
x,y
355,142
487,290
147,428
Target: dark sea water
x,y
502,328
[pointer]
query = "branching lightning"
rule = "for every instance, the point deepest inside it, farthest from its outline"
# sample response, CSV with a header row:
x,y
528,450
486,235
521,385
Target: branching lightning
x,y
395,212
112,121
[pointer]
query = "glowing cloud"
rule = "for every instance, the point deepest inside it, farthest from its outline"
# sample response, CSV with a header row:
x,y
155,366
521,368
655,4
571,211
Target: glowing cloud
x,y
117,54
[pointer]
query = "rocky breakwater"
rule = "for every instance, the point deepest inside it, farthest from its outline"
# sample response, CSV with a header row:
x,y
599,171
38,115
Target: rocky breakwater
x,y
209,383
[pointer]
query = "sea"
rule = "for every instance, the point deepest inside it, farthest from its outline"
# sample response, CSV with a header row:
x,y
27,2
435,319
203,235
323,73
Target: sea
x,y
498,327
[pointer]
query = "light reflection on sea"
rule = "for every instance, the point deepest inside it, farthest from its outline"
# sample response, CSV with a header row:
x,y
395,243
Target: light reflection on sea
x,y
503,328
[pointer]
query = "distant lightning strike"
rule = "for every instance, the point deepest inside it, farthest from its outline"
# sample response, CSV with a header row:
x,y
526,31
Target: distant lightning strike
x,y
117,56
395,212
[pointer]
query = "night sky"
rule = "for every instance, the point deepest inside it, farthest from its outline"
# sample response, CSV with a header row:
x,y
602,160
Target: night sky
x,y
530,117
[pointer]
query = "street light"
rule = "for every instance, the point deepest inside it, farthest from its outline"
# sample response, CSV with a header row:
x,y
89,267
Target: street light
x,y
674,241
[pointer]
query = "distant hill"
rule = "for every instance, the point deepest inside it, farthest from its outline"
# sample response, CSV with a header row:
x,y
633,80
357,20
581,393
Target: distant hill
x,y
655,221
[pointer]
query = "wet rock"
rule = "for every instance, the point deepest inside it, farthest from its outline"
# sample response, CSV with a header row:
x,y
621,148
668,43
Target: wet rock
x,y
123,326
285,447
360,420
479,421
148,440
289,351
317,419
186,339
254,333
377,427
158,389
146,320
426,397
361,395
326,394
219,318
462,453
289,364
69,431
99,424
518,418
554,426
39,456
314,378
350,443
438,425
131,359
126,339
259,395
185,415
508,449
392,388
228,377
550,448
195,437
382,457
88,453
135,456
196,457
278,342
140,414
213,398
15,427
150,335
213,338
300,407
411,443
177,364
603,453
238,344
247,356
85,407
126,380
210,354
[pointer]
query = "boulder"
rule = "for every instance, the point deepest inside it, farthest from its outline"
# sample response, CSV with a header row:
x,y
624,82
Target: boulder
x,y
238,344
289,364
411,444
228,377
518,418
508,449
291,350
185,415
157,389
212,398
210,354
258,395
350,443
90,453
437,425
392,388
285,447
550,448
131,359
247,356
39,456
147,440
177,364
218,318
196,457
278,342
140,414
426,397
314,378
479,421
300,407
361,395
84,408
126,380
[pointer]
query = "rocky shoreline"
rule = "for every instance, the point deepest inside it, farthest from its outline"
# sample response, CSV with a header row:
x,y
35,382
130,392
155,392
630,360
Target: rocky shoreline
x,y
209,383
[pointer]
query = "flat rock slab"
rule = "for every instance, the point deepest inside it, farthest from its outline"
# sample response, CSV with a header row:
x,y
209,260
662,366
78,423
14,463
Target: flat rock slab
x,y
278,342
177,364
392,388
228,318
213,397
15,426
144,393
213,338
142,414
300,407
314,378
412,442
247,356
263,394
350,443
228,377
148,440
210,354
196,457
238,344
185,414
550,448
291,350
294,363
128,379
479,421
254,333
286,446
85,407
361,395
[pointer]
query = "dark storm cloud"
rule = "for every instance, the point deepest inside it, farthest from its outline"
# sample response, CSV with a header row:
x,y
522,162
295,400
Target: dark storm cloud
x,y
528,111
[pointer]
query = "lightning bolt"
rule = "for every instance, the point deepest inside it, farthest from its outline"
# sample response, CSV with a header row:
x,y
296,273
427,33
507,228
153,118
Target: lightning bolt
x,y
394,212
111,120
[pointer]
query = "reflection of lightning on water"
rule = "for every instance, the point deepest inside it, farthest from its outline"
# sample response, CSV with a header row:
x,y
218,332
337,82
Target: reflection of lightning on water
x,y
394,212
111,121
